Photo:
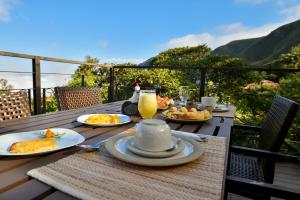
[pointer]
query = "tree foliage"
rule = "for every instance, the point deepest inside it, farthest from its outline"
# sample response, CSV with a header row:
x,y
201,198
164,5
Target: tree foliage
x,y
287,60
4,85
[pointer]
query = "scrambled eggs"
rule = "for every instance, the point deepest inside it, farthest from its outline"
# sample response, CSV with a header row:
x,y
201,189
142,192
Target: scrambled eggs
x,y
103,119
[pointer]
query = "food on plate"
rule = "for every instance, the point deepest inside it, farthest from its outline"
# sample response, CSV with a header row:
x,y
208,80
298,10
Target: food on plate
x,y
193,110
183,109
33,146
173,108
184,114
49,134
103,119
163,102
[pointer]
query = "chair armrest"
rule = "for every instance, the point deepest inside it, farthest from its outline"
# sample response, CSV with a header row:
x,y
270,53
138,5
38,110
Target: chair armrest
x,y
247,127
263,154
233,184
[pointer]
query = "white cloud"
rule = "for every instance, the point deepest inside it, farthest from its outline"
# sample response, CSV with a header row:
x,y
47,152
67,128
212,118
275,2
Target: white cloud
x,y
226,34
257,2
123,60
5,10
24,81
291,13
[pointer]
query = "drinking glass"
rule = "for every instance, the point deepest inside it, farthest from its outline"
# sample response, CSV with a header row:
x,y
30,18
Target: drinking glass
x,y
184,94
147,105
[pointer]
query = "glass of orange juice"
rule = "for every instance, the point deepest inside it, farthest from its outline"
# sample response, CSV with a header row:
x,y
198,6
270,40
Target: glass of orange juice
x,y
147,105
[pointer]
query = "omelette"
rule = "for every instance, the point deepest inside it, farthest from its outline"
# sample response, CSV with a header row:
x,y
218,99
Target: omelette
x,y
33,146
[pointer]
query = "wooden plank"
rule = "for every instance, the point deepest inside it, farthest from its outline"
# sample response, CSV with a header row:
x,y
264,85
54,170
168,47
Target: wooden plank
x,y
192,128
33,122
36,85
58,195
32,189
174,126
58,114
16,176
8,163
28,56
224,131
59,121
208,128
287,175
14,162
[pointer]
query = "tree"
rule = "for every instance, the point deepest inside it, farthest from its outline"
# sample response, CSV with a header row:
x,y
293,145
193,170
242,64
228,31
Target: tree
x,y
89,72
185,56
289,87
288,60
4,85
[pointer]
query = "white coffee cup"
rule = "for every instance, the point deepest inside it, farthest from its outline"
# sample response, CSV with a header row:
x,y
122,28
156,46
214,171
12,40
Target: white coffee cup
x,y
209,102
153,135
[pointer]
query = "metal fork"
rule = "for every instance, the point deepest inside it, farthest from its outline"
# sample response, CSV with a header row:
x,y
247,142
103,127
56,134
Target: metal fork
x,y
92,147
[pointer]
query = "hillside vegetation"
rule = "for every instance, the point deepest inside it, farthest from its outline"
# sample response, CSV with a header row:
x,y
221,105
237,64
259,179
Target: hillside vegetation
x,y
257,51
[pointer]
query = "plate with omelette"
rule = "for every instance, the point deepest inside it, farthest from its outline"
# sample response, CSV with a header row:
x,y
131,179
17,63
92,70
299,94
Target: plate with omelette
x,y
184,115
38,142
104,119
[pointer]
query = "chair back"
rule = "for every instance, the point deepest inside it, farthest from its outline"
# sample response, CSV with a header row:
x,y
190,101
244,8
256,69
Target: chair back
x,y
274,130
277,123
14,105
77,97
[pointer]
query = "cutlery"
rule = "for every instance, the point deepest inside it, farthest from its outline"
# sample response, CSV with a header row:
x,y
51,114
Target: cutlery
x,y
92,147
202,136
198,137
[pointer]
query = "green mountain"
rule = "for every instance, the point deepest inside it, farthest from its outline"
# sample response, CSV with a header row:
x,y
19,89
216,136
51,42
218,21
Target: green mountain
x,y
263,49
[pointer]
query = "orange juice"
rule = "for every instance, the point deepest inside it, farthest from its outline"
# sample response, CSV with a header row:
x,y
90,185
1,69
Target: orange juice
x,y
147,103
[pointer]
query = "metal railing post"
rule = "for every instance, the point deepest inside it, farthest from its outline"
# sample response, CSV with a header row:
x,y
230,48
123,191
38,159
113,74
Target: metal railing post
x,y
29,100
82,81
44,101
36,80
202,83
111,85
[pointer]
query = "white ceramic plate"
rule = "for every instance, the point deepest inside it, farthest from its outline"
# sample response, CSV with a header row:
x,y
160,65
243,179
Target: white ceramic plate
x,y
221,108
124,119
178,147
187,120
70,138
116,146
218,108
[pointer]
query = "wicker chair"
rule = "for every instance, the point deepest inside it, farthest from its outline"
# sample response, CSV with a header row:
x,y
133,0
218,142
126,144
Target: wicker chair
x,y
77,97
251,171
14,105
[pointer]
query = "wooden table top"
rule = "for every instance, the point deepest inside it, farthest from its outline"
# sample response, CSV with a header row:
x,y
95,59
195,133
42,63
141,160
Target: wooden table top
x,y
15,184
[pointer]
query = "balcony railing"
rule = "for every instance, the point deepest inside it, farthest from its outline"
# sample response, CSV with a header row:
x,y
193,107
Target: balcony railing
x,y
39,93
36,74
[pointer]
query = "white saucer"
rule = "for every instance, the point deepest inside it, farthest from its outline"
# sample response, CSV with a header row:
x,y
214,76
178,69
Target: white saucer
x,y
117,147
160,154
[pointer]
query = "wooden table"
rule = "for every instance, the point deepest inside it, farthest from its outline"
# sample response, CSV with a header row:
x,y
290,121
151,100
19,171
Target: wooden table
x,y
15,184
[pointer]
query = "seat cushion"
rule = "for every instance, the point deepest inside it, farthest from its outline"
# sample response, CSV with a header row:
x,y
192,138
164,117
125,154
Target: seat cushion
x,y
246,167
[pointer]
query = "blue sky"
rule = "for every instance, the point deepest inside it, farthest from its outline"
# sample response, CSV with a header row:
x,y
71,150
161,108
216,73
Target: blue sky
x,y
131,30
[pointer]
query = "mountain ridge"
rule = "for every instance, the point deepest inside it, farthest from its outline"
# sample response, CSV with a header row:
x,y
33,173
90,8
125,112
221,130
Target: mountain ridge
x,y
261,50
